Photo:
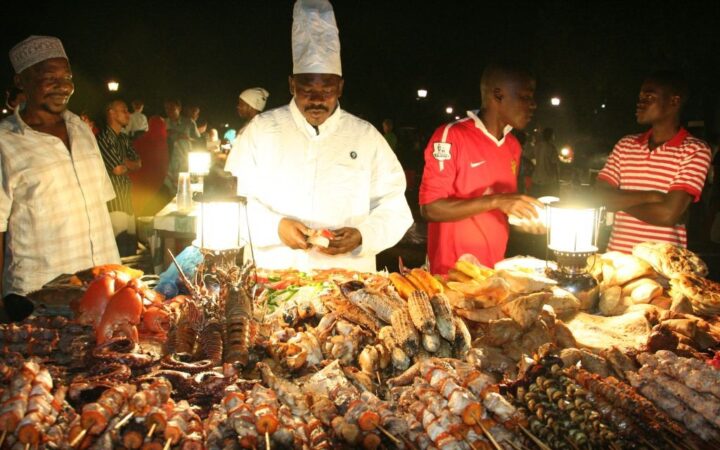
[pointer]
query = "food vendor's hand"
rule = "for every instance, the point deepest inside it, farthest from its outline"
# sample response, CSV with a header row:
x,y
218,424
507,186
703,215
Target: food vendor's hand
x,y
293,233
533,228
521,206
346,240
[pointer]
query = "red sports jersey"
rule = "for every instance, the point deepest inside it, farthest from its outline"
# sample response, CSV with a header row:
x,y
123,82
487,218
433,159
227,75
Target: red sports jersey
x,y
462,161
679,164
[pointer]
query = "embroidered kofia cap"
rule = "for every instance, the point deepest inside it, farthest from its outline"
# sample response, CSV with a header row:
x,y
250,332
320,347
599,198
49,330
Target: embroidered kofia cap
x,y
255,97
35,49
315,38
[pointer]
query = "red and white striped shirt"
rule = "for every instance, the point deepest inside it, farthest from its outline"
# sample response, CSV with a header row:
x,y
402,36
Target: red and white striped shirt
x,y
680,164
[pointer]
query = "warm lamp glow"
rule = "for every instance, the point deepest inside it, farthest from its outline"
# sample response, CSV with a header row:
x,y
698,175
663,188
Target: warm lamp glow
x,y
555,101
422,93
113,86
199,163
449,110
218,227
572,229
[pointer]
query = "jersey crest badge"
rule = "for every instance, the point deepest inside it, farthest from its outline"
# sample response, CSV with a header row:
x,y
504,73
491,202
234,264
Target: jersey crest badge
x,y
441,152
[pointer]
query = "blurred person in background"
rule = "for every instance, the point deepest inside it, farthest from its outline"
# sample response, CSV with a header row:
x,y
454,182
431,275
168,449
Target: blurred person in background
x,y
138,122
14,97
147,194
120,158
546,174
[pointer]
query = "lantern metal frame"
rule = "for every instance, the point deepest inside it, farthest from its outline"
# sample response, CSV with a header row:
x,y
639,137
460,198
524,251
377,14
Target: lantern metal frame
x,y
572,272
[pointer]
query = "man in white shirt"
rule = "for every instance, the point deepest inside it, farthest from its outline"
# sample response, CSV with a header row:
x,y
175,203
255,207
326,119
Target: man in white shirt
x,y
138,123
311,165
53,213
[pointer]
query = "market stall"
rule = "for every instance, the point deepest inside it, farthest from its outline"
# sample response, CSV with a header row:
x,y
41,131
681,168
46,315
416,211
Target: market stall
x,y
486,358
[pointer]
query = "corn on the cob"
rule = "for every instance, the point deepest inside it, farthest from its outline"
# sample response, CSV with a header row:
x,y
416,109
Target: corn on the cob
x,y
405,333
431,284
445,350
463,339
379,304
402,285
431,341
475,272
400,359
421,312
443,316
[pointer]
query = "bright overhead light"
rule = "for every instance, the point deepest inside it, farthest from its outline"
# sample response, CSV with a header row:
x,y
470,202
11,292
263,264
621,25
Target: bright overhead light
x,y
113,86
422,93
555,101
4,111
602,106
457,117
449,110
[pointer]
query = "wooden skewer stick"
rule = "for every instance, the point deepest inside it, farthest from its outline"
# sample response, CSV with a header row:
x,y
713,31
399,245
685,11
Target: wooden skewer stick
x,y
152,430
470,444
184,278
513,445
124,420
2,438
384,431
537,441
267,441
490,437
167,444
377,374
572,444
78,438
27,446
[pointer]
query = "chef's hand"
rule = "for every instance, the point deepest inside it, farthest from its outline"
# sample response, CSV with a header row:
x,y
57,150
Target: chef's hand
x,y
345,240
293,233
521,206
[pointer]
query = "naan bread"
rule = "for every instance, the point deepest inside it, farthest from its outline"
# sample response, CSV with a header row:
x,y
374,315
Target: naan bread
x,y
642,290
619,268
525,282
670,260
525,310
701,293
628,331
563,302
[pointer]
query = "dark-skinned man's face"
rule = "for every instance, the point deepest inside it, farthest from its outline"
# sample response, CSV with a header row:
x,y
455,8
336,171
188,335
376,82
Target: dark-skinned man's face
x,y
48,85
518,102
655,103
316,95
245,111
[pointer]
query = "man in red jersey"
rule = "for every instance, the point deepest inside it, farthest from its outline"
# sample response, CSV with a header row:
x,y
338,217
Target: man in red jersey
x,y
469,183
650,179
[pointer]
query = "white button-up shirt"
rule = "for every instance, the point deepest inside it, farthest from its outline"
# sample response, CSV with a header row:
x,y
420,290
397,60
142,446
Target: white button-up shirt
x,y
345,175
52,204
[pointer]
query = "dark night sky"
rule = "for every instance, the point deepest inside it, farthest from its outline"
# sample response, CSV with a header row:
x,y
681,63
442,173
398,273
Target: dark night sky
x,y
207,52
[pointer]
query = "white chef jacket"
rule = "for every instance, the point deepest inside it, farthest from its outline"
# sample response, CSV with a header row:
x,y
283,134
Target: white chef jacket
x,y
343,175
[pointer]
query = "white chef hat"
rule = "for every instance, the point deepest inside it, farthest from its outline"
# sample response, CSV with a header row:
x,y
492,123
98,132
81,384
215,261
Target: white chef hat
x,y
255,97
35,49
315,38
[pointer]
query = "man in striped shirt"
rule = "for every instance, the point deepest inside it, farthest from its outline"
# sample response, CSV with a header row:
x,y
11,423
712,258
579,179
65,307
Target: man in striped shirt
x,y
120,157
650,179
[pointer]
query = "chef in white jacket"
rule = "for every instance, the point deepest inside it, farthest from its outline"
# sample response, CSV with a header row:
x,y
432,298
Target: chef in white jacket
x,y
311,165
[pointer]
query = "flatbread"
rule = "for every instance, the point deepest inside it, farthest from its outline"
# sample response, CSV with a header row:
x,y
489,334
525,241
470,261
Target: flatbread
x,y
628,331
670,260
701,293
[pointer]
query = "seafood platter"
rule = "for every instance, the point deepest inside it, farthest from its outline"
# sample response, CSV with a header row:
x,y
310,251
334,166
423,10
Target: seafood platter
x,y
483,358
